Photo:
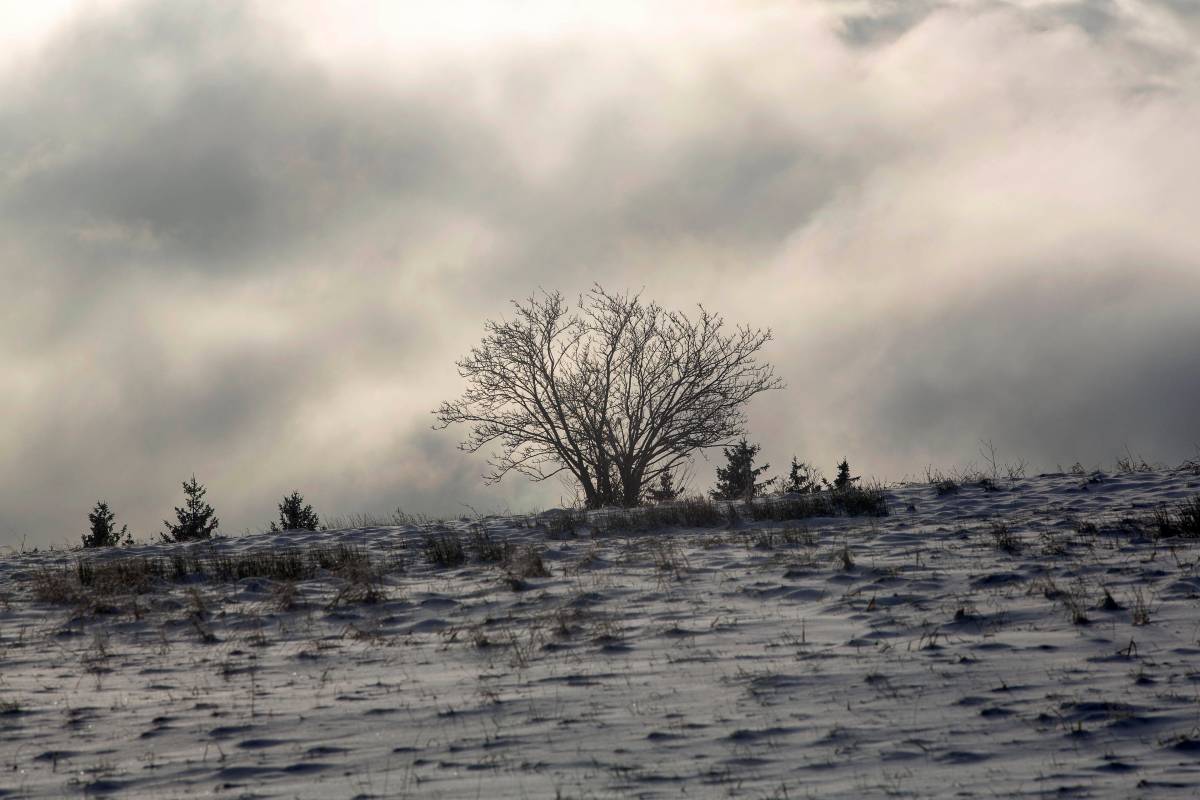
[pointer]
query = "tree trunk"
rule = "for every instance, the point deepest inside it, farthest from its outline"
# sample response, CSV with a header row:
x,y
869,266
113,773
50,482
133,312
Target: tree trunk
x,y
633,494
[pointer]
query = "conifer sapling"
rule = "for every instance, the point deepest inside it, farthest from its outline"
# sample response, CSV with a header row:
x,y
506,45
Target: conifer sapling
x,y
294,515
195,519
739,478
104,531
844,481
803,478
666,491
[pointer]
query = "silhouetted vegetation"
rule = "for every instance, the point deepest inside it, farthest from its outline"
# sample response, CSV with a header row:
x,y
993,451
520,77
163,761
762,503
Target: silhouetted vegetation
x,y
614,395
1181,521
945,486
195,521
487,548
103,529
738,479
802,478
666,491
294,515
691,512
444,550
854,501
92,583
844,480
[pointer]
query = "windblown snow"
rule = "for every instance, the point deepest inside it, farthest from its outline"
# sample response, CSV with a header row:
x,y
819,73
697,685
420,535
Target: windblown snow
x,y
1039,640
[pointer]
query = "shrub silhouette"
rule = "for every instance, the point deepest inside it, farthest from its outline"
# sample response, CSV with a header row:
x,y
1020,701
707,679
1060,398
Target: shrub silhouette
x,y
802,478
843,481
738,479
104,531
666,491
195,520
294,515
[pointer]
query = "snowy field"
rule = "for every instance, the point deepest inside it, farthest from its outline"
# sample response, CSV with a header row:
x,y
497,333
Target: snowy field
x,y
1041,640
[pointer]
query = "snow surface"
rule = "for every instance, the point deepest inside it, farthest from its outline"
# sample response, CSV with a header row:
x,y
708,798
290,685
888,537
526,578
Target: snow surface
x,y
702,663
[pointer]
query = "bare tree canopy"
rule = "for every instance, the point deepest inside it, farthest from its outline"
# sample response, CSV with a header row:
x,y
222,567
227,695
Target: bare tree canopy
x,y
615,392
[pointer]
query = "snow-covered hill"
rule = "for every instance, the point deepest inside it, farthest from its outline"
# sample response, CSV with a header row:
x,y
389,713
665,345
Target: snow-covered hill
x,y
1041,640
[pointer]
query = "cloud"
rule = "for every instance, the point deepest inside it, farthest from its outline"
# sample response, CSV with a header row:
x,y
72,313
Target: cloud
x,y
252,247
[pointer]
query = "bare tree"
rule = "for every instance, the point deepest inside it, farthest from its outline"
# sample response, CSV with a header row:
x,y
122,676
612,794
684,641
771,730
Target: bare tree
x,y
614,392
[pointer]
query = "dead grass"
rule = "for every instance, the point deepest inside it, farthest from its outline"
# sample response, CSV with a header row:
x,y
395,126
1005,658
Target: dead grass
x,y
851,501
1003,539
1182,520
444,550
846,558
945,487
773,539
668,559
526,562
57,586
487,548
1141,611
102,586
285,596
692,512
702,512
563,522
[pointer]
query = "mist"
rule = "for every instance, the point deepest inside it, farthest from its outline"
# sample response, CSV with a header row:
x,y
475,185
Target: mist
x,y
250,246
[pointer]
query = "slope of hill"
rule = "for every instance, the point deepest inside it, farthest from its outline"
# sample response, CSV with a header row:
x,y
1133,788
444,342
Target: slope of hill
x,y
1041,639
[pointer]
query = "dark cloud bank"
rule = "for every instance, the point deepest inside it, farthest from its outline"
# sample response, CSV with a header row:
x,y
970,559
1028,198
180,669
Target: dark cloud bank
x,y
228,254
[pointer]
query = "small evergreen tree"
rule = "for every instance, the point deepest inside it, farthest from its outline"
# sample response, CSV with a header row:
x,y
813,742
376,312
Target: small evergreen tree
x,y
738,479
104,531
802,478
666,491
294,515
843,481
196,520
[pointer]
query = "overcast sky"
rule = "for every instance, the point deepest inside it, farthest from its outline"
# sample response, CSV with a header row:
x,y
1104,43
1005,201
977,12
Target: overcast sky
x,y
250,240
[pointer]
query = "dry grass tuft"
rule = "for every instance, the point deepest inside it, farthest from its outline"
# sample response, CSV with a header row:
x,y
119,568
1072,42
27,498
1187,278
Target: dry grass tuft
x,y
1181,521
487,549
444,550
849,501
526,562
101,586
1003,538
57,586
